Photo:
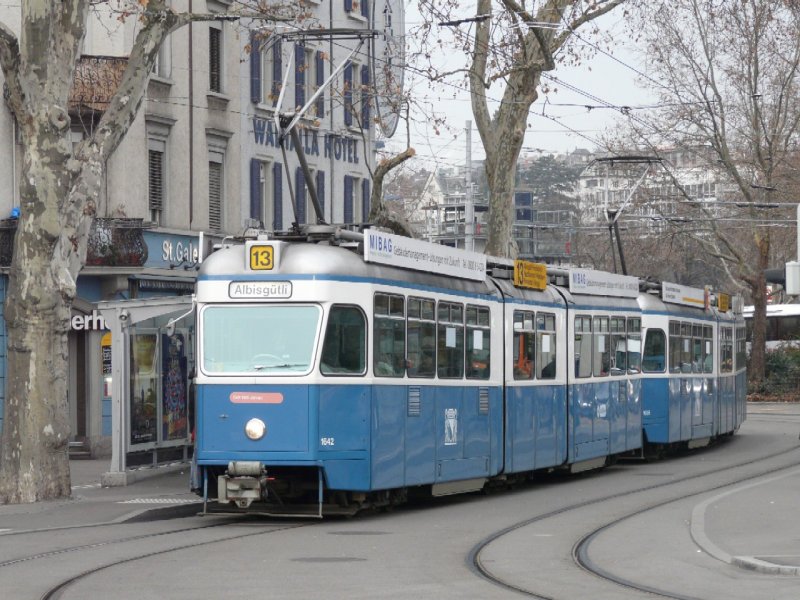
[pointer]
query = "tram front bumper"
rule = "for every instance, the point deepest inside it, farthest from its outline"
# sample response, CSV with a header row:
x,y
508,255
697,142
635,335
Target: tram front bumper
x,y
243,483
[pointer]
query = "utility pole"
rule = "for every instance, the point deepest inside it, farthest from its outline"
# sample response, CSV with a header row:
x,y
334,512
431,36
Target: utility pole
x,y
469,209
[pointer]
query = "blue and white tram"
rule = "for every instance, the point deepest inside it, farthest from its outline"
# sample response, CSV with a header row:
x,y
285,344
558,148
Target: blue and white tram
x,y
344,374
693,375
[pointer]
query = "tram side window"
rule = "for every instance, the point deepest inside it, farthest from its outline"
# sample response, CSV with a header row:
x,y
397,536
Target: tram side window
x,y
601,358
697,349
344,349
478,358
708,349
674,347
686,348
389,350
545,346
655,348
741,348
523,351
619,346
726,350
634,349
450,340
421,337
583,346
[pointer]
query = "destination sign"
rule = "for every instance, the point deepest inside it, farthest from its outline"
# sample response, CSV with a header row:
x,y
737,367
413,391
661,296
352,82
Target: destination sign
x,y
530,275
260,290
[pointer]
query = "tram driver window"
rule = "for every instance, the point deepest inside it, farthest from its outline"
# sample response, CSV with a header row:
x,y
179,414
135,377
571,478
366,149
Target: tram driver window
x,y
389,351
655,348
344,350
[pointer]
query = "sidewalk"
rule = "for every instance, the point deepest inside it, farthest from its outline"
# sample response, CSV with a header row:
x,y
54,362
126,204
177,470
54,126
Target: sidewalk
x,y
754,526
163,493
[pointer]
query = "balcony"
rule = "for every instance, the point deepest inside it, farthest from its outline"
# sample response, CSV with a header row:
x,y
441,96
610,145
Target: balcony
x,y
112,243
96,80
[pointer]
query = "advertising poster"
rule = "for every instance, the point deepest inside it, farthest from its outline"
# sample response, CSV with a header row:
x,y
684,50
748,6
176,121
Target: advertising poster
x,y
144,386
174,393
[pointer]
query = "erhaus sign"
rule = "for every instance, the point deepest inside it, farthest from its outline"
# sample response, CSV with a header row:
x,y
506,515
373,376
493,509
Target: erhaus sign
x,y
92,322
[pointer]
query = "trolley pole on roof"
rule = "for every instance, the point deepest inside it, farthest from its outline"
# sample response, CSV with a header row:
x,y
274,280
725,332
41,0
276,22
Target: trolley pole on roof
x,y
286,123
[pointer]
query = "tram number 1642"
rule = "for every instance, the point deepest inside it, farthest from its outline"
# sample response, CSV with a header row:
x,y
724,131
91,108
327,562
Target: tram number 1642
x,y
327,441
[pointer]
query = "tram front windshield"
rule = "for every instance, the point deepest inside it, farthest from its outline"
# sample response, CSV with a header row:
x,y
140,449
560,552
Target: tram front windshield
x,y
268,340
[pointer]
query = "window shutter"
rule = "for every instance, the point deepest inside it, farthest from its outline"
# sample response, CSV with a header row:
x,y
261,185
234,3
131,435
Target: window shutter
x,y
321,191
320,69
348,199
277,182
300,185
255,189
156,180
365,8
299,75
215,196
365,97
277,70
255,67
348,5
348,94
365,199
214,59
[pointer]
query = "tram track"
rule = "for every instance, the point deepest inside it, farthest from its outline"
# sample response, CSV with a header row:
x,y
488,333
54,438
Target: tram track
x,y
57,591
580,549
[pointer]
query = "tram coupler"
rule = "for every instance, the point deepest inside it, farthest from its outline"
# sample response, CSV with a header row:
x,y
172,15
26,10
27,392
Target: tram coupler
x,y
243,483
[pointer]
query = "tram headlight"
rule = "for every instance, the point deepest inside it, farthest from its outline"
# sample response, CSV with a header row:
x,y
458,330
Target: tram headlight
x,y
255,429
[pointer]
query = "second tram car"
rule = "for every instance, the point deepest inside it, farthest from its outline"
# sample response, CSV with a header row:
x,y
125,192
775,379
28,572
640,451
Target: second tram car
x,y
355,370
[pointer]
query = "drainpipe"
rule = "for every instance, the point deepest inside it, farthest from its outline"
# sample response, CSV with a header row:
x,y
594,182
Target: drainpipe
x,y
191,125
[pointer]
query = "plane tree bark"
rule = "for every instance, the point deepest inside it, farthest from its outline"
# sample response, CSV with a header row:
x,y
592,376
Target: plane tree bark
x,y
58,191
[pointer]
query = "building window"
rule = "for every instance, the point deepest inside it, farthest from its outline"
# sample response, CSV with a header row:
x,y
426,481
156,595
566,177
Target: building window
x,y
215,182
163,66
158,129
215,59
155,173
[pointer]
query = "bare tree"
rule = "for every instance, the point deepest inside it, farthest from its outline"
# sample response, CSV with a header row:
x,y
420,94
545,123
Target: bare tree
x,y
513,45
726,73
59,188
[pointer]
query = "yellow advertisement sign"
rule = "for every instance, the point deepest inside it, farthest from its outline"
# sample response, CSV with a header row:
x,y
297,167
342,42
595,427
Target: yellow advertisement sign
x,y
530,275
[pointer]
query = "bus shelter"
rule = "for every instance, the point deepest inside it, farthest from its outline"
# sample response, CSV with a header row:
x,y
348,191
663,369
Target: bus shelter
x,y
148,364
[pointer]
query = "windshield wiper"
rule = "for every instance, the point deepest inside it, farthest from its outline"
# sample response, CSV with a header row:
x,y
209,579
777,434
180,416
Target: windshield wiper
x,y
280,366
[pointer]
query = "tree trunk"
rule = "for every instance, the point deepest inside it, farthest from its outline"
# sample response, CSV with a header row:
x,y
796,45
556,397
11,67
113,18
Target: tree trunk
x,y
37,313
758,287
